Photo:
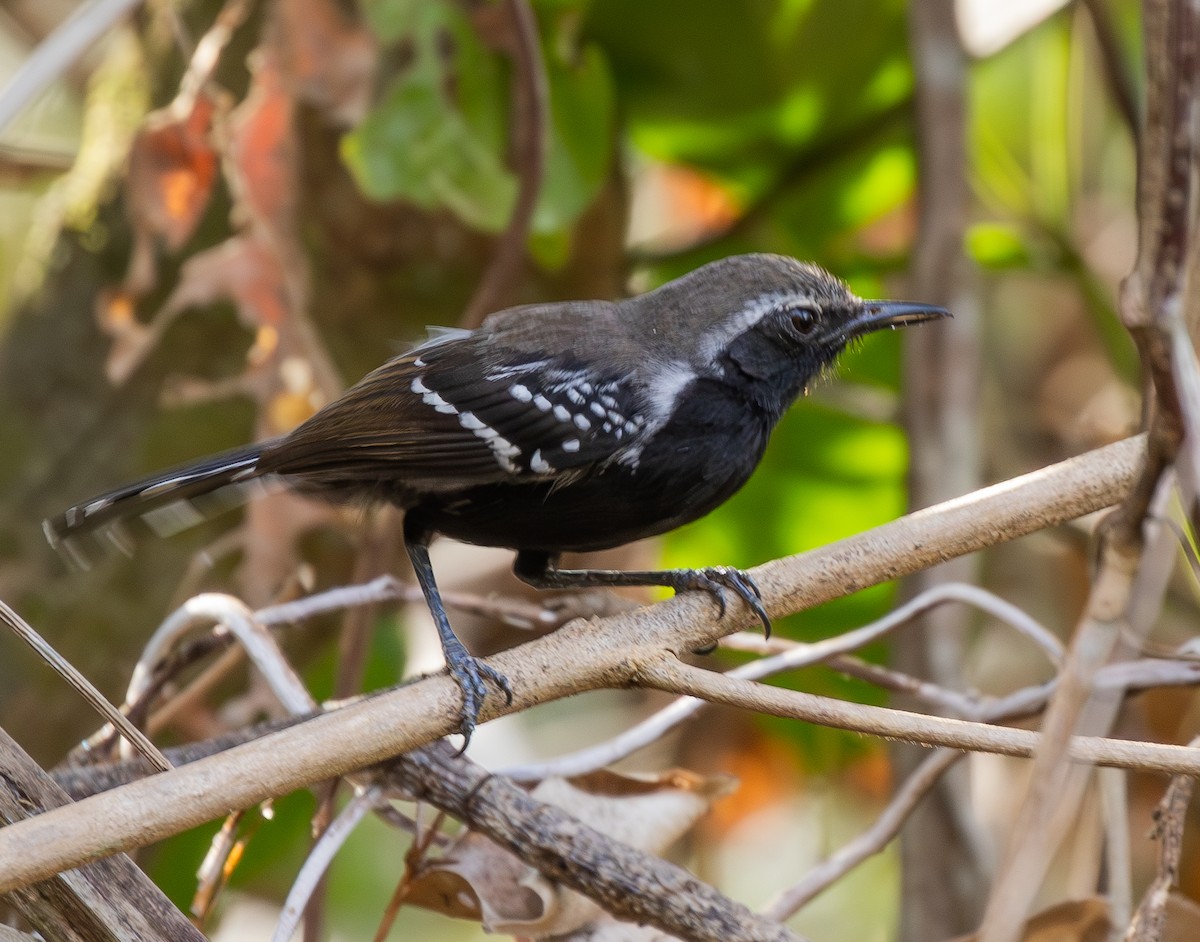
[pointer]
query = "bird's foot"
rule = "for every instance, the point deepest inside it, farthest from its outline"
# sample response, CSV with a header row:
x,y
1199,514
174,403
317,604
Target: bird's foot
x,y
470,674
716,579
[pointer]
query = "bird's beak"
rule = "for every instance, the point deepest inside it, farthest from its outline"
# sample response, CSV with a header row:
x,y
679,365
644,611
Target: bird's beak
x,y
877,315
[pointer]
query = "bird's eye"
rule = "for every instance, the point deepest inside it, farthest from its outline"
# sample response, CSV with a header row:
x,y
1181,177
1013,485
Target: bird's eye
x,y
803,319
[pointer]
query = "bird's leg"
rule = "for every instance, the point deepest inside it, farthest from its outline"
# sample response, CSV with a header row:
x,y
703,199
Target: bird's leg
x,y
539,570
468,672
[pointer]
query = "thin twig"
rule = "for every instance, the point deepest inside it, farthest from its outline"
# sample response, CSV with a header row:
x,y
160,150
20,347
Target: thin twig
x,y
98,702
871,841
674,677
1118,865
320,857
58,51
804,166
1117,75
791,655
628,883
1169,820
515,612
240,621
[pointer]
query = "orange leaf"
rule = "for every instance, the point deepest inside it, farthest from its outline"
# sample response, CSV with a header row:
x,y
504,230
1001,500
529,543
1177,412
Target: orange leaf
x,y
172,168
262,151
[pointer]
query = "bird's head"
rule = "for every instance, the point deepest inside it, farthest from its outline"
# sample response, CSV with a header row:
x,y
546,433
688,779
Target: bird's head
x,y
775,319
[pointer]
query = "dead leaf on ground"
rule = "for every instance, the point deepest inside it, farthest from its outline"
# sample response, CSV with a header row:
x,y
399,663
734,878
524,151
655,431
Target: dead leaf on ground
x,y
476,879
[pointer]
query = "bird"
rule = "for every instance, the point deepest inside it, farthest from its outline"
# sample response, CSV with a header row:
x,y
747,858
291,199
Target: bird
x,y
553,427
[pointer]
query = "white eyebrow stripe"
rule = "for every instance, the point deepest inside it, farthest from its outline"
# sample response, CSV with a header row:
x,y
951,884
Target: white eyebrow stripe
x,y
719,336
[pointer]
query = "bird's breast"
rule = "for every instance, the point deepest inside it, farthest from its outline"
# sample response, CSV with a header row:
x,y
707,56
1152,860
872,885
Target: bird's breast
x,y
704,453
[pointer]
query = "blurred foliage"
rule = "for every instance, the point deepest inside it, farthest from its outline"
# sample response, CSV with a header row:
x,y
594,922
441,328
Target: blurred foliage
x,y
791,117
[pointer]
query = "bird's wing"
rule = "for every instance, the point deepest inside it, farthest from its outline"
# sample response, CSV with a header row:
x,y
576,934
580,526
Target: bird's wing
x,y
462,410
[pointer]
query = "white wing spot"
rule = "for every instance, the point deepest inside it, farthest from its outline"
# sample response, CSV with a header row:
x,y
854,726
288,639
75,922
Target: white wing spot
x,y
520,393
504,450
439,404
469,420
431,398
542,403
582,423
597,409
561,413
538,464
571,444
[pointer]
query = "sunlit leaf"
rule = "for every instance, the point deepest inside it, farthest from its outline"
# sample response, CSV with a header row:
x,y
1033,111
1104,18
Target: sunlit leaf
x,y
580,139
424,145
995,245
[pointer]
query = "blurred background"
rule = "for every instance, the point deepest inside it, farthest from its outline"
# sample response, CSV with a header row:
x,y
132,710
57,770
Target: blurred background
x,y
222,214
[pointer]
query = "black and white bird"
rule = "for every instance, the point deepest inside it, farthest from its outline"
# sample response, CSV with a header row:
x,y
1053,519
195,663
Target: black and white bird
x,y
556,427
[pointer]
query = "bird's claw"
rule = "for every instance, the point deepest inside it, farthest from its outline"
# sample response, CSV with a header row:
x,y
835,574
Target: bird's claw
x,y
470,674
716,579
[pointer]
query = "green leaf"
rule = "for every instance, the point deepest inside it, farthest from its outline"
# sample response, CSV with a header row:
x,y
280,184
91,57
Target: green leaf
x,y
995,245
580,145
422,145
393,19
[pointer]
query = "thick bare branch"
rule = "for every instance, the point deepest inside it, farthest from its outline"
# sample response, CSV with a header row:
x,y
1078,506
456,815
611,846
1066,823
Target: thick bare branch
x,y
626,882
581,656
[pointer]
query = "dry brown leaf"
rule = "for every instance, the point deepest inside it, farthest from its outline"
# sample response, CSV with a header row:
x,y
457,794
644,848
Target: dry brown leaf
x,y
327,59
476,879
1084,920
245,270
171,173
261,158
172,169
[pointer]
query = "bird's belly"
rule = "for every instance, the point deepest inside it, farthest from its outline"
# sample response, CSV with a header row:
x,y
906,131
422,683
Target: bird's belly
x,y
600,509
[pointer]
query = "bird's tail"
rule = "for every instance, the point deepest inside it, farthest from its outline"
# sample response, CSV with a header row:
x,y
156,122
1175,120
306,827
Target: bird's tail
x,y
165,503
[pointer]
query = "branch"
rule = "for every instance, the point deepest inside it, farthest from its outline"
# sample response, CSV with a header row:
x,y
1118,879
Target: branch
x,y
1130,581
56,53
675,677
605,652
1170,817
106,901
1118,77
628,883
